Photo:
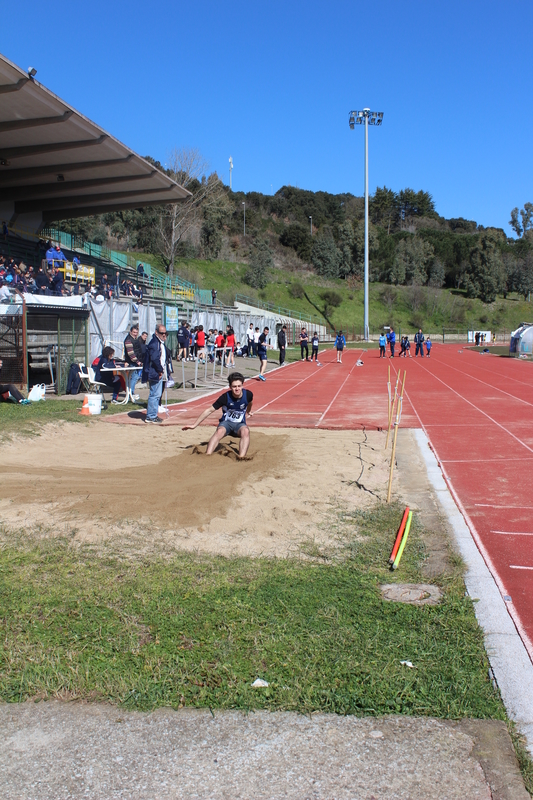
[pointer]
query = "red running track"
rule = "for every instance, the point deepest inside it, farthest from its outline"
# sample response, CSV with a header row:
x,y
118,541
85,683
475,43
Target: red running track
x,y
477,412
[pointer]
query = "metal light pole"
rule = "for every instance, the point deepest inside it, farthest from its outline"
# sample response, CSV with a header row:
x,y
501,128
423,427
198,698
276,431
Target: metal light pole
x,y
230,170
311,221
369,118
244,209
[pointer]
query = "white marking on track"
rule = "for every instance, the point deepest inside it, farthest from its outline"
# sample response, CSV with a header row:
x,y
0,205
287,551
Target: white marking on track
x,y
513,533
515,566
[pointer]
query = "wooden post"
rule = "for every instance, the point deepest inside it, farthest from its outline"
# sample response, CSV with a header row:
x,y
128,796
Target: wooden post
x,y
396,426
391,409
389,395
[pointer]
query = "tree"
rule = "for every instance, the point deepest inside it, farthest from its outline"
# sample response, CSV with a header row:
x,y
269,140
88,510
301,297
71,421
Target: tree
x,y
383,208
437,274
345,247
188,168
484,272
325,256
411,261
215,214
414,204
260,262
298,237
526,213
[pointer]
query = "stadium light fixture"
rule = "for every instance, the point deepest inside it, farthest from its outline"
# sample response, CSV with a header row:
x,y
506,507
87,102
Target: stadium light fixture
x,y
369,118
32,72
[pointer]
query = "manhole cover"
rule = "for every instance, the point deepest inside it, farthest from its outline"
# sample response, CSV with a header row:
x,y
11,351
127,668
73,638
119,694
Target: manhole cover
x,y
418,594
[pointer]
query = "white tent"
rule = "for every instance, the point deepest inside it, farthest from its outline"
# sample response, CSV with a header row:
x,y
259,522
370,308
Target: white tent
x,y
522,340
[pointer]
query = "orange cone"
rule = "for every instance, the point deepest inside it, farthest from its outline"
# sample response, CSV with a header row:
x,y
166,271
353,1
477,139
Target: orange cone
x,y
85,407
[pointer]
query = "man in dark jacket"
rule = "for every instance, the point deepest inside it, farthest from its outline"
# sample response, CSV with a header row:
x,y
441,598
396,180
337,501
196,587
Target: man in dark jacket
x,y
282,344
155,371
419,341
132,359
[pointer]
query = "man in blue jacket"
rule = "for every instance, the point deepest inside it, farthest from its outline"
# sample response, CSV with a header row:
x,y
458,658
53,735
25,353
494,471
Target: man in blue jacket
x,y
155,371
391,338
419,341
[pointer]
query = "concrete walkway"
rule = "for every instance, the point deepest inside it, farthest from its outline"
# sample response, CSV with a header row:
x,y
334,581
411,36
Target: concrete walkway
x,y
55,751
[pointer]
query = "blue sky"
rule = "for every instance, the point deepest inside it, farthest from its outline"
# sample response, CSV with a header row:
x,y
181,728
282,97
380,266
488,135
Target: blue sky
x,y
271,84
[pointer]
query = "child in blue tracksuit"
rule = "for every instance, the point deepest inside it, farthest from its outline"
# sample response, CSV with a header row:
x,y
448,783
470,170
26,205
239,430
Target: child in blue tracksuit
x,y
340,344
382,345
428,346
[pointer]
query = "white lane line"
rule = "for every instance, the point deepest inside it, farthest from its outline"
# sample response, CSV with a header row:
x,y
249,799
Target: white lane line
x,y
312,375
501,459
492,505
491,385
514,566
505,377
476,408
513,533
340,390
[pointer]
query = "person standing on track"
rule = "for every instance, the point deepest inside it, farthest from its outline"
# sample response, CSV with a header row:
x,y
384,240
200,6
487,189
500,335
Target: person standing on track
x,y
419,341
340,344
262,345
382,345
407,347
428,346
391,338
304,344
314,349
282,344
235,404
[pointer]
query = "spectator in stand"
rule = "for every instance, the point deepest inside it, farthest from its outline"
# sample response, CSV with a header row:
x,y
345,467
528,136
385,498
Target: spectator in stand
x,y
56,284
75,266
7,390
107,361
140,271
5,231
213,296
103,287
42,281
4,292
116,286
50,255
132,359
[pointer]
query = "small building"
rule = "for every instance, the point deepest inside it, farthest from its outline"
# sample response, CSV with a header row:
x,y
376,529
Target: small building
x,y
522,340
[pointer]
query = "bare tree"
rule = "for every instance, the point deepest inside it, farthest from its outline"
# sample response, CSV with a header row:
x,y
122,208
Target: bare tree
x,y
188,168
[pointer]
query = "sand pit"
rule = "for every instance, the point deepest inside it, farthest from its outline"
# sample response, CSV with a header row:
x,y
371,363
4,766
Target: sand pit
x,y
150,487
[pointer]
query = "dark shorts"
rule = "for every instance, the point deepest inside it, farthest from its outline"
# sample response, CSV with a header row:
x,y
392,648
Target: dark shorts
x,y
231,428
262,353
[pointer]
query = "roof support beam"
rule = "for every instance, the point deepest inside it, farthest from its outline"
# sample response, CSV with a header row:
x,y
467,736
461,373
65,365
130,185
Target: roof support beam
x,y
54,147
13,87
11,177
24,206
88,211
33,122
44,190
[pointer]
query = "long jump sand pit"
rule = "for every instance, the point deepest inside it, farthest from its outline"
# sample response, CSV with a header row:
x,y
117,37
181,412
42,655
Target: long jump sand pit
x,y
155,487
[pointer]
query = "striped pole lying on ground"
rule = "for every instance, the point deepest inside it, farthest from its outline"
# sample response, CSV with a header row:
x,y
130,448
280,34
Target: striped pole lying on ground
x,y
404,540
399,536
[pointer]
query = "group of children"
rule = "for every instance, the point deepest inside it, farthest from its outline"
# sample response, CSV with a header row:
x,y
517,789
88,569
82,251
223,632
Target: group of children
x,y
405,346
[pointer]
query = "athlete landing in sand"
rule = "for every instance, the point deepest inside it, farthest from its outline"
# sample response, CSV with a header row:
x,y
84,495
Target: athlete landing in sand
x,y
235,404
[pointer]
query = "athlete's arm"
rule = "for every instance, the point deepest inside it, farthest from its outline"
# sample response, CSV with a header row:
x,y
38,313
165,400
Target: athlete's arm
x,y
200,419
249,408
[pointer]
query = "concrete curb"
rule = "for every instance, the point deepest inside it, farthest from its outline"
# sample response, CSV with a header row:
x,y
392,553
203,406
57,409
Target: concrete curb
x,y
507,654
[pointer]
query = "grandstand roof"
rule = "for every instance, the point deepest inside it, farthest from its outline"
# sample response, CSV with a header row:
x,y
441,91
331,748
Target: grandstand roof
x,y
55,161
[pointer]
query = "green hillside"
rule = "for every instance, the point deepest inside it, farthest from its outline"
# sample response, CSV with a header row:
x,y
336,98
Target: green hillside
x,y
404,307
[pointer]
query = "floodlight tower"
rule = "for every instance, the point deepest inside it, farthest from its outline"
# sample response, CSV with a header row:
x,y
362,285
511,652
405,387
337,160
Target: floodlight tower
x,y
230,169
369,118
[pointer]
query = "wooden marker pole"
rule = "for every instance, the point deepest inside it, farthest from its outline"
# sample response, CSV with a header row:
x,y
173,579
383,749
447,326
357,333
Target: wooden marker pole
x,y
391,409
389,394
396,426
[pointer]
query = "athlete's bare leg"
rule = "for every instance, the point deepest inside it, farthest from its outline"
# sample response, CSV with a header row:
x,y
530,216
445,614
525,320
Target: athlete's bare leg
x,y
214,440
244,443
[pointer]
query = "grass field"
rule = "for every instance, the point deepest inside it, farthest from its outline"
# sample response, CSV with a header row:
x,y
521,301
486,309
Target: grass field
x,y
197,630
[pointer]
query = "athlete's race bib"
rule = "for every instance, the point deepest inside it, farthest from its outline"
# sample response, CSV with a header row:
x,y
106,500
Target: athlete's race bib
x,y
234,416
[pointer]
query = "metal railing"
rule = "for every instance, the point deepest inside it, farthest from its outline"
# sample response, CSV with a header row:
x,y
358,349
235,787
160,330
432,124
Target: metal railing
x,y
283,312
